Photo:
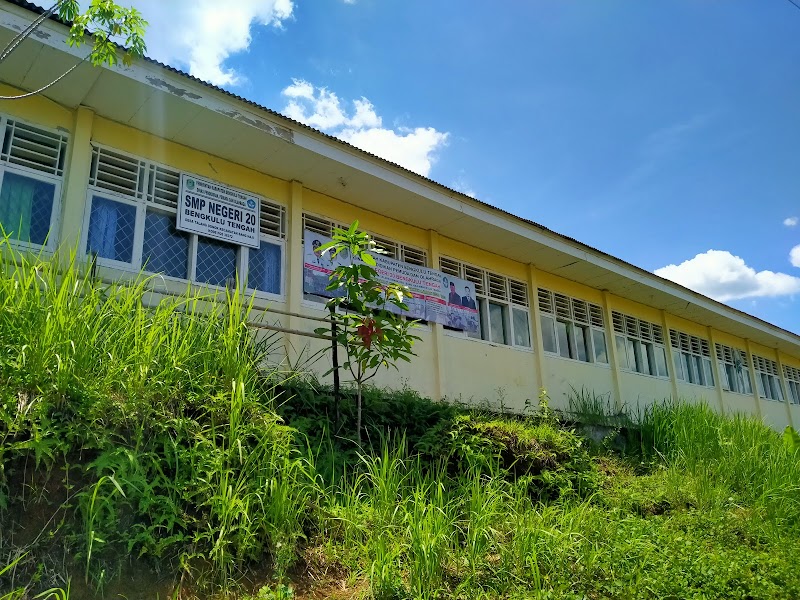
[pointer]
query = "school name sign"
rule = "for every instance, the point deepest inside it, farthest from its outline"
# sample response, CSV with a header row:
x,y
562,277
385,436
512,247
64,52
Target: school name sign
x,y
217,211
435,296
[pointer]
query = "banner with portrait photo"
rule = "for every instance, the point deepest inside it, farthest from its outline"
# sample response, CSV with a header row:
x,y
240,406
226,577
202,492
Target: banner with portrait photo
x,y
434,296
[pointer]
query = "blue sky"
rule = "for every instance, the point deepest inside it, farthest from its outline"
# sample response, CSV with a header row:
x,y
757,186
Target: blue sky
x,y
655,131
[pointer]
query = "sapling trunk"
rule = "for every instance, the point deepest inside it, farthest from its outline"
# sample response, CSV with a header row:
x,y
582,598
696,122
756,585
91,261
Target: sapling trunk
x,y
358,414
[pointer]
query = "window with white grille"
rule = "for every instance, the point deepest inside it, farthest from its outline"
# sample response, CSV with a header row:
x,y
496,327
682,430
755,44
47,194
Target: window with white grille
x,y
734,370
792,377
572,328
691,358
502,303
31,172
640,345
131,224
768,380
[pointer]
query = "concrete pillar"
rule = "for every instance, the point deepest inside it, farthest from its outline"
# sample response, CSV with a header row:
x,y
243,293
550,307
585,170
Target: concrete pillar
x,y
437,329
76,182
785,387
752,367
537,343
673,377
715,369
611,347
294,275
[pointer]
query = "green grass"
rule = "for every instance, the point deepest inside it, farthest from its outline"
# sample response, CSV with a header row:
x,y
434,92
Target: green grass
x,y
151,442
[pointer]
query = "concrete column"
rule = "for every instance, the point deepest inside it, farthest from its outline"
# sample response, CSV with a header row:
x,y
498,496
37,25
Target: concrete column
x,y
715,369
76,182
437,329
537,342
611,347
751,366
294,267
785,386
673,377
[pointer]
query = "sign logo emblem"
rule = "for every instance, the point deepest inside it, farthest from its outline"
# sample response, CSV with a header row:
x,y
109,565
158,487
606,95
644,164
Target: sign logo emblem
x,y
251,204
190,184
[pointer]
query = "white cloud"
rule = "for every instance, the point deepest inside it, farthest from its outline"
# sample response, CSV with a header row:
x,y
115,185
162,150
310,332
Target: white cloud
x,y
414,149
790,221
202,34
794,256
723,276
461,185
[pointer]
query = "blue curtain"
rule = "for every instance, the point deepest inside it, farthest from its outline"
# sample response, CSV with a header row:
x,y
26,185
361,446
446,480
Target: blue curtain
x,y
16,206
265,268
111,229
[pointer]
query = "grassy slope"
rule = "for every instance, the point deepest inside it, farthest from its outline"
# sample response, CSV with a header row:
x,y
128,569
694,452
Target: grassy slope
x,y
147,443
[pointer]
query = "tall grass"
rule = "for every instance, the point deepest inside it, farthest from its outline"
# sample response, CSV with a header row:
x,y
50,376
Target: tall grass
x,y
162,404
736,455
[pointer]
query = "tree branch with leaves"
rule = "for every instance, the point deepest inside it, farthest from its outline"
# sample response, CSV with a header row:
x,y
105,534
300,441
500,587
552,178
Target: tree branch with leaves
x,y
369,328
116,31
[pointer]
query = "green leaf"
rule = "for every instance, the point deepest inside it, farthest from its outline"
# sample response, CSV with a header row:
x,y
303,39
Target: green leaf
x,y
368,258
791,439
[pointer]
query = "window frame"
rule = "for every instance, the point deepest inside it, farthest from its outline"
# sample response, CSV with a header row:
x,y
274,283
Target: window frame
x,y
768,379
559,308
488,280
691,353
792,377
644,338
726,361
142,206
56,178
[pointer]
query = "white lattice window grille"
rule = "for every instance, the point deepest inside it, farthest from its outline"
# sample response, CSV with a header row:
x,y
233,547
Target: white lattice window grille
x,y
691,358
572,328
768,380
131,224
31,173
640,345
734,370
502,303
792,377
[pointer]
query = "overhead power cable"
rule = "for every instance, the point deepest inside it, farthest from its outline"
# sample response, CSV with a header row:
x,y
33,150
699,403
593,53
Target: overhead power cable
x,y
793,3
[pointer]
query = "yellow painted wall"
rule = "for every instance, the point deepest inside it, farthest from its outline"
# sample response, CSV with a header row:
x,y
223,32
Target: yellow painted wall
x,y
685,326
738,403
635,309
36,110
480,258
640,390
554,283
147,146
563,374
697,393
482,372
325,206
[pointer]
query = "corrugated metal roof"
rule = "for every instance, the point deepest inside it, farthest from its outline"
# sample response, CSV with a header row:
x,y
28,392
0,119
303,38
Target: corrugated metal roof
x,y
39,10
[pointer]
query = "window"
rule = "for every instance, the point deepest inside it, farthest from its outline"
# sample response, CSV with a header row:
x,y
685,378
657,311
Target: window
x,y
640,345
572,328
792,376
31,171
131,224
768,380
691,358
502,303
734,370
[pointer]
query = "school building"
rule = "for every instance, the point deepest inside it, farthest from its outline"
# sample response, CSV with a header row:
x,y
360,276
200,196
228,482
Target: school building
x,y
97,162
